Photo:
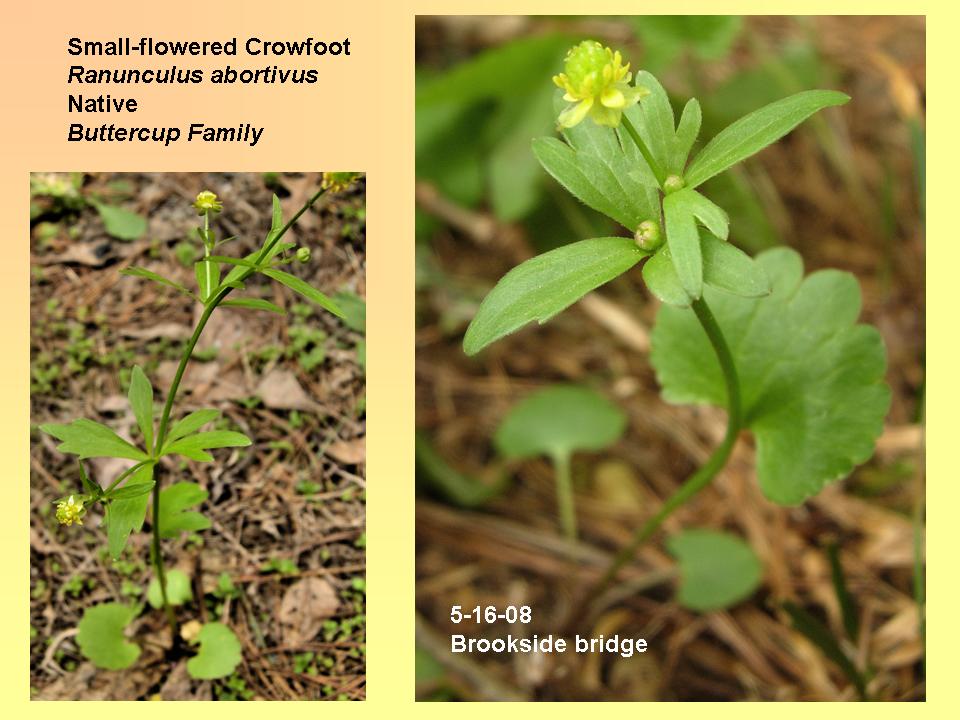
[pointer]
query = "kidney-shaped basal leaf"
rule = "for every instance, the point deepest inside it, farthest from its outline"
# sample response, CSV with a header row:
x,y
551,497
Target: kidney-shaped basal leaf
x,y
101,639
541,287
604,174
717,570
195,446
810,377
126,515
174,514
753,132
178,589
559,420
87,439
219,655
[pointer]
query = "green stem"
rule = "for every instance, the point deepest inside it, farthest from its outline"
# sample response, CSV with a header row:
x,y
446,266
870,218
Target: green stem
x,y
208,309
702,477
565,505
658,172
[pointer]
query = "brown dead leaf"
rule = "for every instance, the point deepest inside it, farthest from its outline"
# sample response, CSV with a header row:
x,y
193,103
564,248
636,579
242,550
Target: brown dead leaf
x,y
280,390
306,604
349,452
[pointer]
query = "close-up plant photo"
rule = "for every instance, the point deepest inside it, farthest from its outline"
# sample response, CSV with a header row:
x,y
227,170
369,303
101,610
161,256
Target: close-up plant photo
x,y
198,415
670,358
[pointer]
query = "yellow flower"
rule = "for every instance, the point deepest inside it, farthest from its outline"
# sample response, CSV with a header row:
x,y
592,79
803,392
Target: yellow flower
x,y
338,181
596,79
207,202
70,511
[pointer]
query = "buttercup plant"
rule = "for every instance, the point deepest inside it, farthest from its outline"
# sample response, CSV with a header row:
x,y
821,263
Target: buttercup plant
x,y
127,498
781,352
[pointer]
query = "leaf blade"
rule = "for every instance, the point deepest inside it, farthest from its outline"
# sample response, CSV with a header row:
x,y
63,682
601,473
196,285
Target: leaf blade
x,y
87,439
543,286
303,288
755,131
140,397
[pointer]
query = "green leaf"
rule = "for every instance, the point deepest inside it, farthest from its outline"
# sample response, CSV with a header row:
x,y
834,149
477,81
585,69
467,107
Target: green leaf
x,y
254,304
87,439
178,589
130,491
541,287
557,421
150,275
226,260
101,638
354,310
717,570
208,278
728,268
755,131
126,515
219,655
810,378
141,400
653,118
683,239
89,487
606,175
190,424
174,515
687,132
193,446
120,223
725,267
308,291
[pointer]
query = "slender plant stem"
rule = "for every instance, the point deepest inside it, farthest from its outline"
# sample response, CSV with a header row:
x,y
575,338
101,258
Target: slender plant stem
x,y
565,504
658,171
702,477
124,475
208,309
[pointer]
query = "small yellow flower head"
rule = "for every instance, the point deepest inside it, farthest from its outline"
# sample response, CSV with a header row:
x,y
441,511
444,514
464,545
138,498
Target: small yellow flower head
x,y
207,202
338,181
596,79
303,254
70,511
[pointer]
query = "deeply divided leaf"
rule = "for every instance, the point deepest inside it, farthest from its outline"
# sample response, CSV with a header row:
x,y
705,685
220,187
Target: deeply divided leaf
x,y
811,378
125,516
194,446
87,439
541,287
190,424
175,515
755,131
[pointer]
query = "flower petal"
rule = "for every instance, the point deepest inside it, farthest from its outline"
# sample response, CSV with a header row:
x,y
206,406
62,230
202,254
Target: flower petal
x,y
575,114
613,98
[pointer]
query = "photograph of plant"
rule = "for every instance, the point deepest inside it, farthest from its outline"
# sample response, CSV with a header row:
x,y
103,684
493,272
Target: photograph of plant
x,y
198,424
670,355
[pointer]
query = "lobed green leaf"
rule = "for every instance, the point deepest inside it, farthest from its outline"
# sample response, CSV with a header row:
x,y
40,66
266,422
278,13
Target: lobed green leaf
x,y
87,439
175,516
811,379
194,446
190,424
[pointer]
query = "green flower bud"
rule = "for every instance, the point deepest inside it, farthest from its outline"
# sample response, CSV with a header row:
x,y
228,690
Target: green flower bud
x,y
648,236
672,184
303,254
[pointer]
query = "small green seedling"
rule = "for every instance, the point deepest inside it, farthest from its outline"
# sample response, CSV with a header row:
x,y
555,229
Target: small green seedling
x,y
781,352
101,634
717,570
556,422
